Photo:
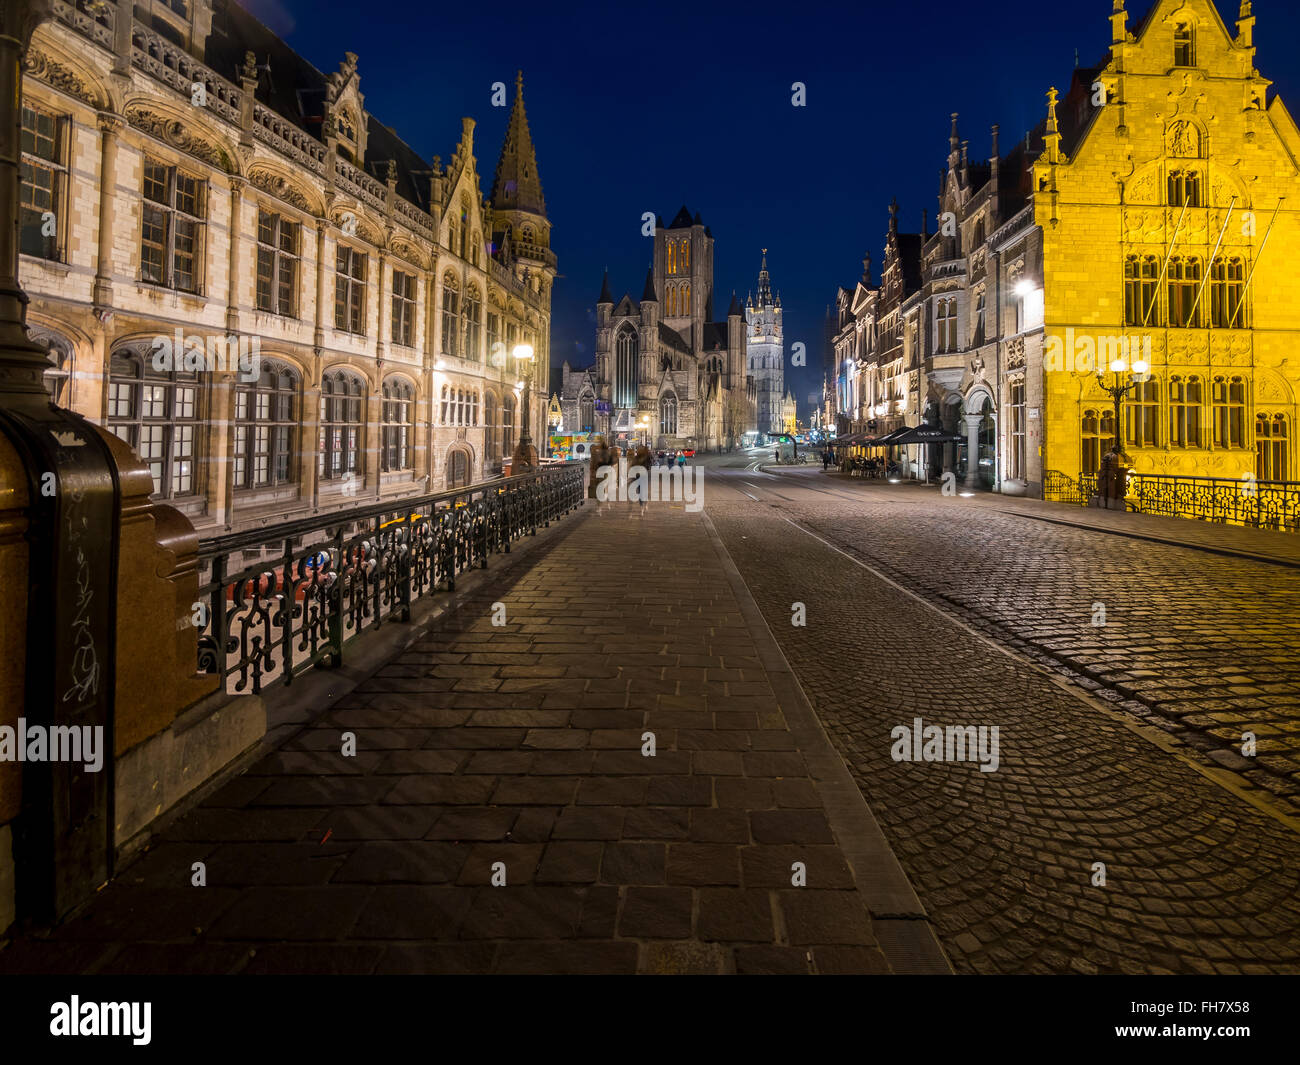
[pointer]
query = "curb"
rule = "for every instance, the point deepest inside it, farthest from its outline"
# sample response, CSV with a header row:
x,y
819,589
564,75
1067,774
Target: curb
x,y
898,917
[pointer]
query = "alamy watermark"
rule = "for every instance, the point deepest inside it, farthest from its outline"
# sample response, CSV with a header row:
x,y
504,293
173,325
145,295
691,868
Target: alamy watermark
x,y
215,354
56,743
955,743
658,484
1086,353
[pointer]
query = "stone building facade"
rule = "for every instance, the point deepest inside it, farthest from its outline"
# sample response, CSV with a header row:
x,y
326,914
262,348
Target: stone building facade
x,y
665,371
1143,220
186,175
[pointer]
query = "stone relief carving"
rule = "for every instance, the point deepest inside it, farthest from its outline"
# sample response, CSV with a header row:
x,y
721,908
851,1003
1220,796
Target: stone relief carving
x,y
44,68
1183,140
279,187
172,132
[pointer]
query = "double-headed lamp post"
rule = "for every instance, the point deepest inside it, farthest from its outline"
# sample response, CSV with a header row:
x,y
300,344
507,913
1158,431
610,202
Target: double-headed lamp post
x,y
525,454
1118,381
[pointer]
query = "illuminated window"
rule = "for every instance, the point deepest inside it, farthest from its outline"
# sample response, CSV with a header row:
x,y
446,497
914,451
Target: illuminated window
x,y
1098,436
43,176
1184,45
1141,277
686,256
1228,409
1017,464
350,291
265,425
399,428
625,378
668,415
672,300
1185,401
1272,441
1184,280
1228,294
1142,415
450,315
473,323
1184,188
685,307
157,414
341,403
672,257
171,232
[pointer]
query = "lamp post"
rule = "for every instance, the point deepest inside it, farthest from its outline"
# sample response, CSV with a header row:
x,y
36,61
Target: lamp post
x,y
1113,382
643,423
525,454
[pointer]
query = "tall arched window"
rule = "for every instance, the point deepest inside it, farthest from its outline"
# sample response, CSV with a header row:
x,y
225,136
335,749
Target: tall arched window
x,y
671,247
1141,274
399,403
444,409
473,323
685,303
1184,280
1227,293
668,414
686,255
1098,435
671,301
1184,188
587,413
341,400
625,375
491,445
1185,401
1272,446
265,424
157,413
450,315
508,424
1228,406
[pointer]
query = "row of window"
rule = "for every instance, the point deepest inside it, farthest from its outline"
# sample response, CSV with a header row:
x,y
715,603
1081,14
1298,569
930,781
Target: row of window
x,y
677,300
174,215
678,254
1188,302
159,414
1272,439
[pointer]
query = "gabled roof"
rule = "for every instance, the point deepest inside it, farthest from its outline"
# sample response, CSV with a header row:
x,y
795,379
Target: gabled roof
x,y
683,219
648,294
715,336
626,308
670,338
735,307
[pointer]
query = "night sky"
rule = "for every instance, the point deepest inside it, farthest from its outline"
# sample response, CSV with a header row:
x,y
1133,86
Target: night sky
x,y
644,107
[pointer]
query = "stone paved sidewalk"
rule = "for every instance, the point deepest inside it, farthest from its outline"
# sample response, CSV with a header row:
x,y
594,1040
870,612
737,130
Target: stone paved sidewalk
x,y
517,748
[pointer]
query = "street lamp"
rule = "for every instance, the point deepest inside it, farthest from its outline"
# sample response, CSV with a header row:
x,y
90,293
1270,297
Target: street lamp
x,y
525,454
643,423
1117,382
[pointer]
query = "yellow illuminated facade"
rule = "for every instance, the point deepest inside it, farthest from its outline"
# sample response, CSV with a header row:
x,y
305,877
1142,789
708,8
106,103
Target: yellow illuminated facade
x,y
1171,228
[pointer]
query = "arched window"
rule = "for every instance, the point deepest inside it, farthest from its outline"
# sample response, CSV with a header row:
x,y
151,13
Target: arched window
x,y
1272,445
1228,409
1185,402
399,404
157,413
625,377
672,256
508,425
686,255
1098,436
587,413
457,468
341,400
444,410
265,424
668,414
473,408
450,315
1141,275
685,301
946,338
1184,45
1184,188
1227,293
526,234
473,323
491,445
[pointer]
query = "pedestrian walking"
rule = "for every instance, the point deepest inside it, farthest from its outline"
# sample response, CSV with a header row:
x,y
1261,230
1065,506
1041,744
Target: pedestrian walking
x,y
642,459
826,460
776,456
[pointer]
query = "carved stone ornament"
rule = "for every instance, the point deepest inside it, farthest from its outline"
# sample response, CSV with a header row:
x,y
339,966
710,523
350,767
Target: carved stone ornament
x,y
277,186
172,132
1183,140
1016,353
40,66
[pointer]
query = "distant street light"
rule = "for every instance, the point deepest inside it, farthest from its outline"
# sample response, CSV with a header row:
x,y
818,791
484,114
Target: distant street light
x,y
525,453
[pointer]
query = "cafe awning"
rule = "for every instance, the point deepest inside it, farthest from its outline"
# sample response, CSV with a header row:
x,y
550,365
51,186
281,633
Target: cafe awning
x,y
923,434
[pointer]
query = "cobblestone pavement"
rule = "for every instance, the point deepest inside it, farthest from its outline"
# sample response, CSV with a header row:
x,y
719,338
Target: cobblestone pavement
x,y
1199,644
1198,880
518,744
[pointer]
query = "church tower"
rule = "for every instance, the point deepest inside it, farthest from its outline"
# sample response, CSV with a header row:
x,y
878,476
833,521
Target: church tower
x,y
683,270
766,352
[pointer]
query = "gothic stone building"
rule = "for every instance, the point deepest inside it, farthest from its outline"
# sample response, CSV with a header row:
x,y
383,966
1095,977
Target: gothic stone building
x,y
766,354
1146,212
183,169
664,370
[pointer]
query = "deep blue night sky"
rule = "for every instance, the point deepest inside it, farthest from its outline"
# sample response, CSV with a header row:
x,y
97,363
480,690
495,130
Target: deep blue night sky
x,y
624,123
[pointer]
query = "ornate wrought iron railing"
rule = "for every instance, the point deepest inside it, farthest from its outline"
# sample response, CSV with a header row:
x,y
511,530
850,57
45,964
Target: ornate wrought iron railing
x,y
1261,504
1061,488
324,580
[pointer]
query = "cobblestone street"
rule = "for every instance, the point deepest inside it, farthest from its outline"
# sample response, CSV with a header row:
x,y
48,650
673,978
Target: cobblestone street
x,y
1197,878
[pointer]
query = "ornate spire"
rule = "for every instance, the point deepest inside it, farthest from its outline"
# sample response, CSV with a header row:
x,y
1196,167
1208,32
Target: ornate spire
x,y
893,215
605,295
648,293
517,185
764,283
1052,137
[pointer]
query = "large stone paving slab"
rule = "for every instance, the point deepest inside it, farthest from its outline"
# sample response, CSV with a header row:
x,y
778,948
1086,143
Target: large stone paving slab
x,y
515,752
